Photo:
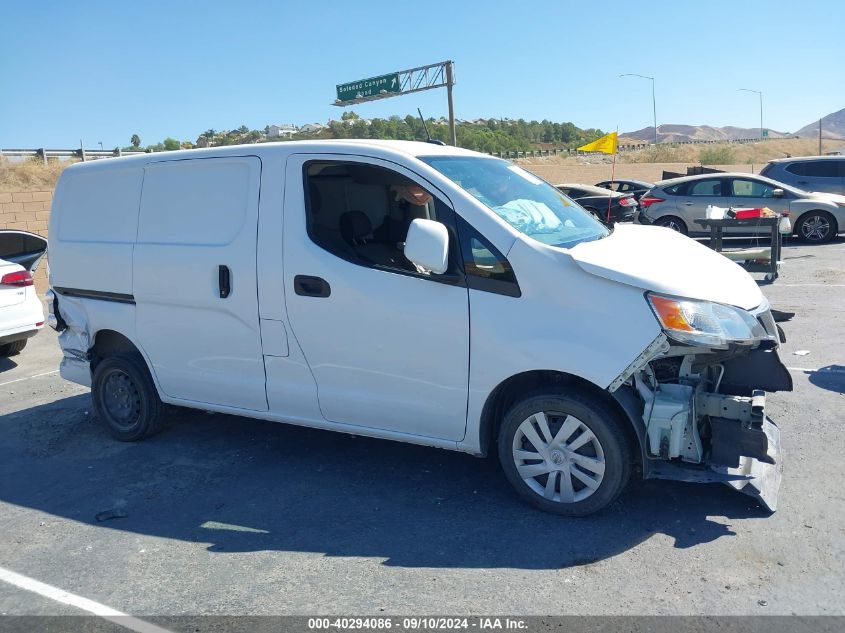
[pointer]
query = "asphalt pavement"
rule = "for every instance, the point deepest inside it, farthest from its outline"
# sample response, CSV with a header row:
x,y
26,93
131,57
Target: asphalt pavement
x,y
226,515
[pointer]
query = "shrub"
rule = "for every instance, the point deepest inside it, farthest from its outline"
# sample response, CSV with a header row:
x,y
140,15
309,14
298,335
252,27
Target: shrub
x,y
716,156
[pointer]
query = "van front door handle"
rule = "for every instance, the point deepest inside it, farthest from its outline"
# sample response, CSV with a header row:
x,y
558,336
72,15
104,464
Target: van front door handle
x,y
224,281
307,286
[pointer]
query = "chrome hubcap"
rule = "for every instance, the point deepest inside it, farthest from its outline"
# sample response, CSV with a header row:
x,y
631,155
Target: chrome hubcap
x,y
558,457
815,228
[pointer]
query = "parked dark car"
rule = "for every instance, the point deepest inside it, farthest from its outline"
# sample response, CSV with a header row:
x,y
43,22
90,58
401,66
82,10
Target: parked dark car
x,y
634,187
623,206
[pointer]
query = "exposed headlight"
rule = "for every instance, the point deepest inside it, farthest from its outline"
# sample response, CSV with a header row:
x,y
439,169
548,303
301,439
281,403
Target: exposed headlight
x,y
705,323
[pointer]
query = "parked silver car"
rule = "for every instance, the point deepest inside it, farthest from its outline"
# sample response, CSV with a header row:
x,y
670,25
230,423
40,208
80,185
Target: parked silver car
x,y
679,202
813,173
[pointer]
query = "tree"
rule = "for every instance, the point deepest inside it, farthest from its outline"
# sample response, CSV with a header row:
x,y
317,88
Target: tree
x,y
349,116
136,141
171,144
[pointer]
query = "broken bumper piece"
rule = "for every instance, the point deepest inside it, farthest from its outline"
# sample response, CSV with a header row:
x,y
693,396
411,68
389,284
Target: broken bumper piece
x,y
754,477
759,479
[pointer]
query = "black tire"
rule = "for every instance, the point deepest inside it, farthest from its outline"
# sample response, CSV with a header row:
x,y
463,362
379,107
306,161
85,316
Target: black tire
x,y
614,446
673,222
15,347
816,227
125,398
597,215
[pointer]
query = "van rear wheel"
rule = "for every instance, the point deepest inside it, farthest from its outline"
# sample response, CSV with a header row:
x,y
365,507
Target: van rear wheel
x,y
565,452
125,398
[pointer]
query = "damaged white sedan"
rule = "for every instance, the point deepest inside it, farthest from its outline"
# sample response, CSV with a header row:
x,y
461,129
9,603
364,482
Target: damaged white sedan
x,y
418,293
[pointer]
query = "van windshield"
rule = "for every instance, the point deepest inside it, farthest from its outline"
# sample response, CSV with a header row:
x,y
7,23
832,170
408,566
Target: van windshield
x,y
529,204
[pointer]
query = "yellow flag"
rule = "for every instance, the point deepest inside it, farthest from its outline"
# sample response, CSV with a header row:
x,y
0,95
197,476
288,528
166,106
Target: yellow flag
x,y
606,144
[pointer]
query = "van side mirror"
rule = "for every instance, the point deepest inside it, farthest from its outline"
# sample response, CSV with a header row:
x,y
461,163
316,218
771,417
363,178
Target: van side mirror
x,y
777,193
427,245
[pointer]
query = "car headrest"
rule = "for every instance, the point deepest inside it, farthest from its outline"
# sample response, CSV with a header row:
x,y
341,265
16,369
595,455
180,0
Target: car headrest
x,y
355,225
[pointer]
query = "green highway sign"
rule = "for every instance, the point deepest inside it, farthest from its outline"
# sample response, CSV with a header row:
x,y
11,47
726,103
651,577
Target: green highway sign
x,y
371,87
765,133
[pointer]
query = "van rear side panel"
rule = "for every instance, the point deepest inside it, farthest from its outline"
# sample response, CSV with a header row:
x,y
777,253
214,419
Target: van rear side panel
x,y
92,229
195,284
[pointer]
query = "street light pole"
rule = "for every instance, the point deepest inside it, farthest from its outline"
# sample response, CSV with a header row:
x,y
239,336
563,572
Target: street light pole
x,y
653,100
759,94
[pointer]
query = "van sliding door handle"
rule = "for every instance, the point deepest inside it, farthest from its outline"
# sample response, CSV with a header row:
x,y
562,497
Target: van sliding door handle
x,y
307,286
224,281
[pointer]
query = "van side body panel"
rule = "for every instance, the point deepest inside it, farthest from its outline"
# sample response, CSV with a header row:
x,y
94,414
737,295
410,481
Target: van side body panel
x,y
291,388
577,324
93,226
198,221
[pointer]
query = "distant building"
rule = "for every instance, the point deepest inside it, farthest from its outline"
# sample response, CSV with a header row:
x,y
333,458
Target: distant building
x,y
283,130
311,128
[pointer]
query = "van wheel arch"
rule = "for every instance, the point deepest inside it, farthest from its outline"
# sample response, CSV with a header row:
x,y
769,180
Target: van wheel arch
x,y
518,386
108,343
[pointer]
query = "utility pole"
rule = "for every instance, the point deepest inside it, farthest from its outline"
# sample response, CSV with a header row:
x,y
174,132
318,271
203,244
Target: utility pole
x,y
653,100
820,137
759,94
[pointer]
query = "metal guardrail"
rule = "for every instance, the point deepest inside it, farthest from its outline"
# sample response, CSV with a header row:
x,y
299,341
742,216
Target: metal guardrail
x,y
80,153
624,148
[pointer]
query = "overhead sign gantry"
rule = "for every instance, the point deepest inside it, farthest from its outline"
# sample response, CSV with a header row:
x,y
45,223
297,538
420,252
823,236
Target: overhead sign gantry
x,y
402,82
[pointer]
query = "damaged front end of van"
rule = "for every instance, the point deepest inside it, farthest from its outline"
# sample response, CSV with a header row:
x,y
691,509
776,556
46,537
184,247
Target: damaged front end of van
x,y
697,396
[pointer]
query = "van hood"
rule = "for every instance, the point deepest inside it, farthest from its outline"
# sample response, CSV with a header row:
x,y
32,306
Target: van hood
x,y
662,260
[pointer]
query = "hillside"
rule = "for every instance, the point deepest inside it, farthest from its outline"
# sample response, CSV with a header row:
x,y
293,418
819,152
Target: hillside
x,y
675,133
833,127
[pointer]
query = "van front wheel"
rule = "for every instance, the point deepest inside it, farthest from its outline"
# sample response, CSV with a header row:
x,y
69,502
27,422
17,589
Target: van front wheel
x,y
125,398
565,453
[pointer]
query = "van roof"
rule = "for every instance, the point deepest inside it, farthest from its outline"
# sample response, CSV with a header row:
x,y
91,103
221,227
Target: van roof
x,y
346,146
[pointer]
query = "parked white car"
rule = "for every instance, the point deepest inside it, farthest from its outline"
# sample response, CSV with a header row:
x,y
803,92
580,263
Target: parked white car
x,y
21,312
418,293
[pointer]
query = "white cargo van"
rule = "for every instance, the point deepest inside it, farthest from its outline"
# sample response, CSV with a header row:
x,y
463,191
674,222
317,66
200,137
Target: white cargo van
x,y
418,293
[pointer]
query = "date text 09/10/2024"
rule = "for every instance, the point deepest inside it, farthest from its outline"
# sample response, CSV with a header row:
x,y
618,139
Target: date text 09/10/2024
x,y
416,623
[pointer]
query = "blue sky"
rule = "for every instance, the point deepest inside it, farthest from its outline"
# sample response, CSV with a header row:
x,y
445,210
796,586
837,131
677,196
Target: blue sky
x,y
101,71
